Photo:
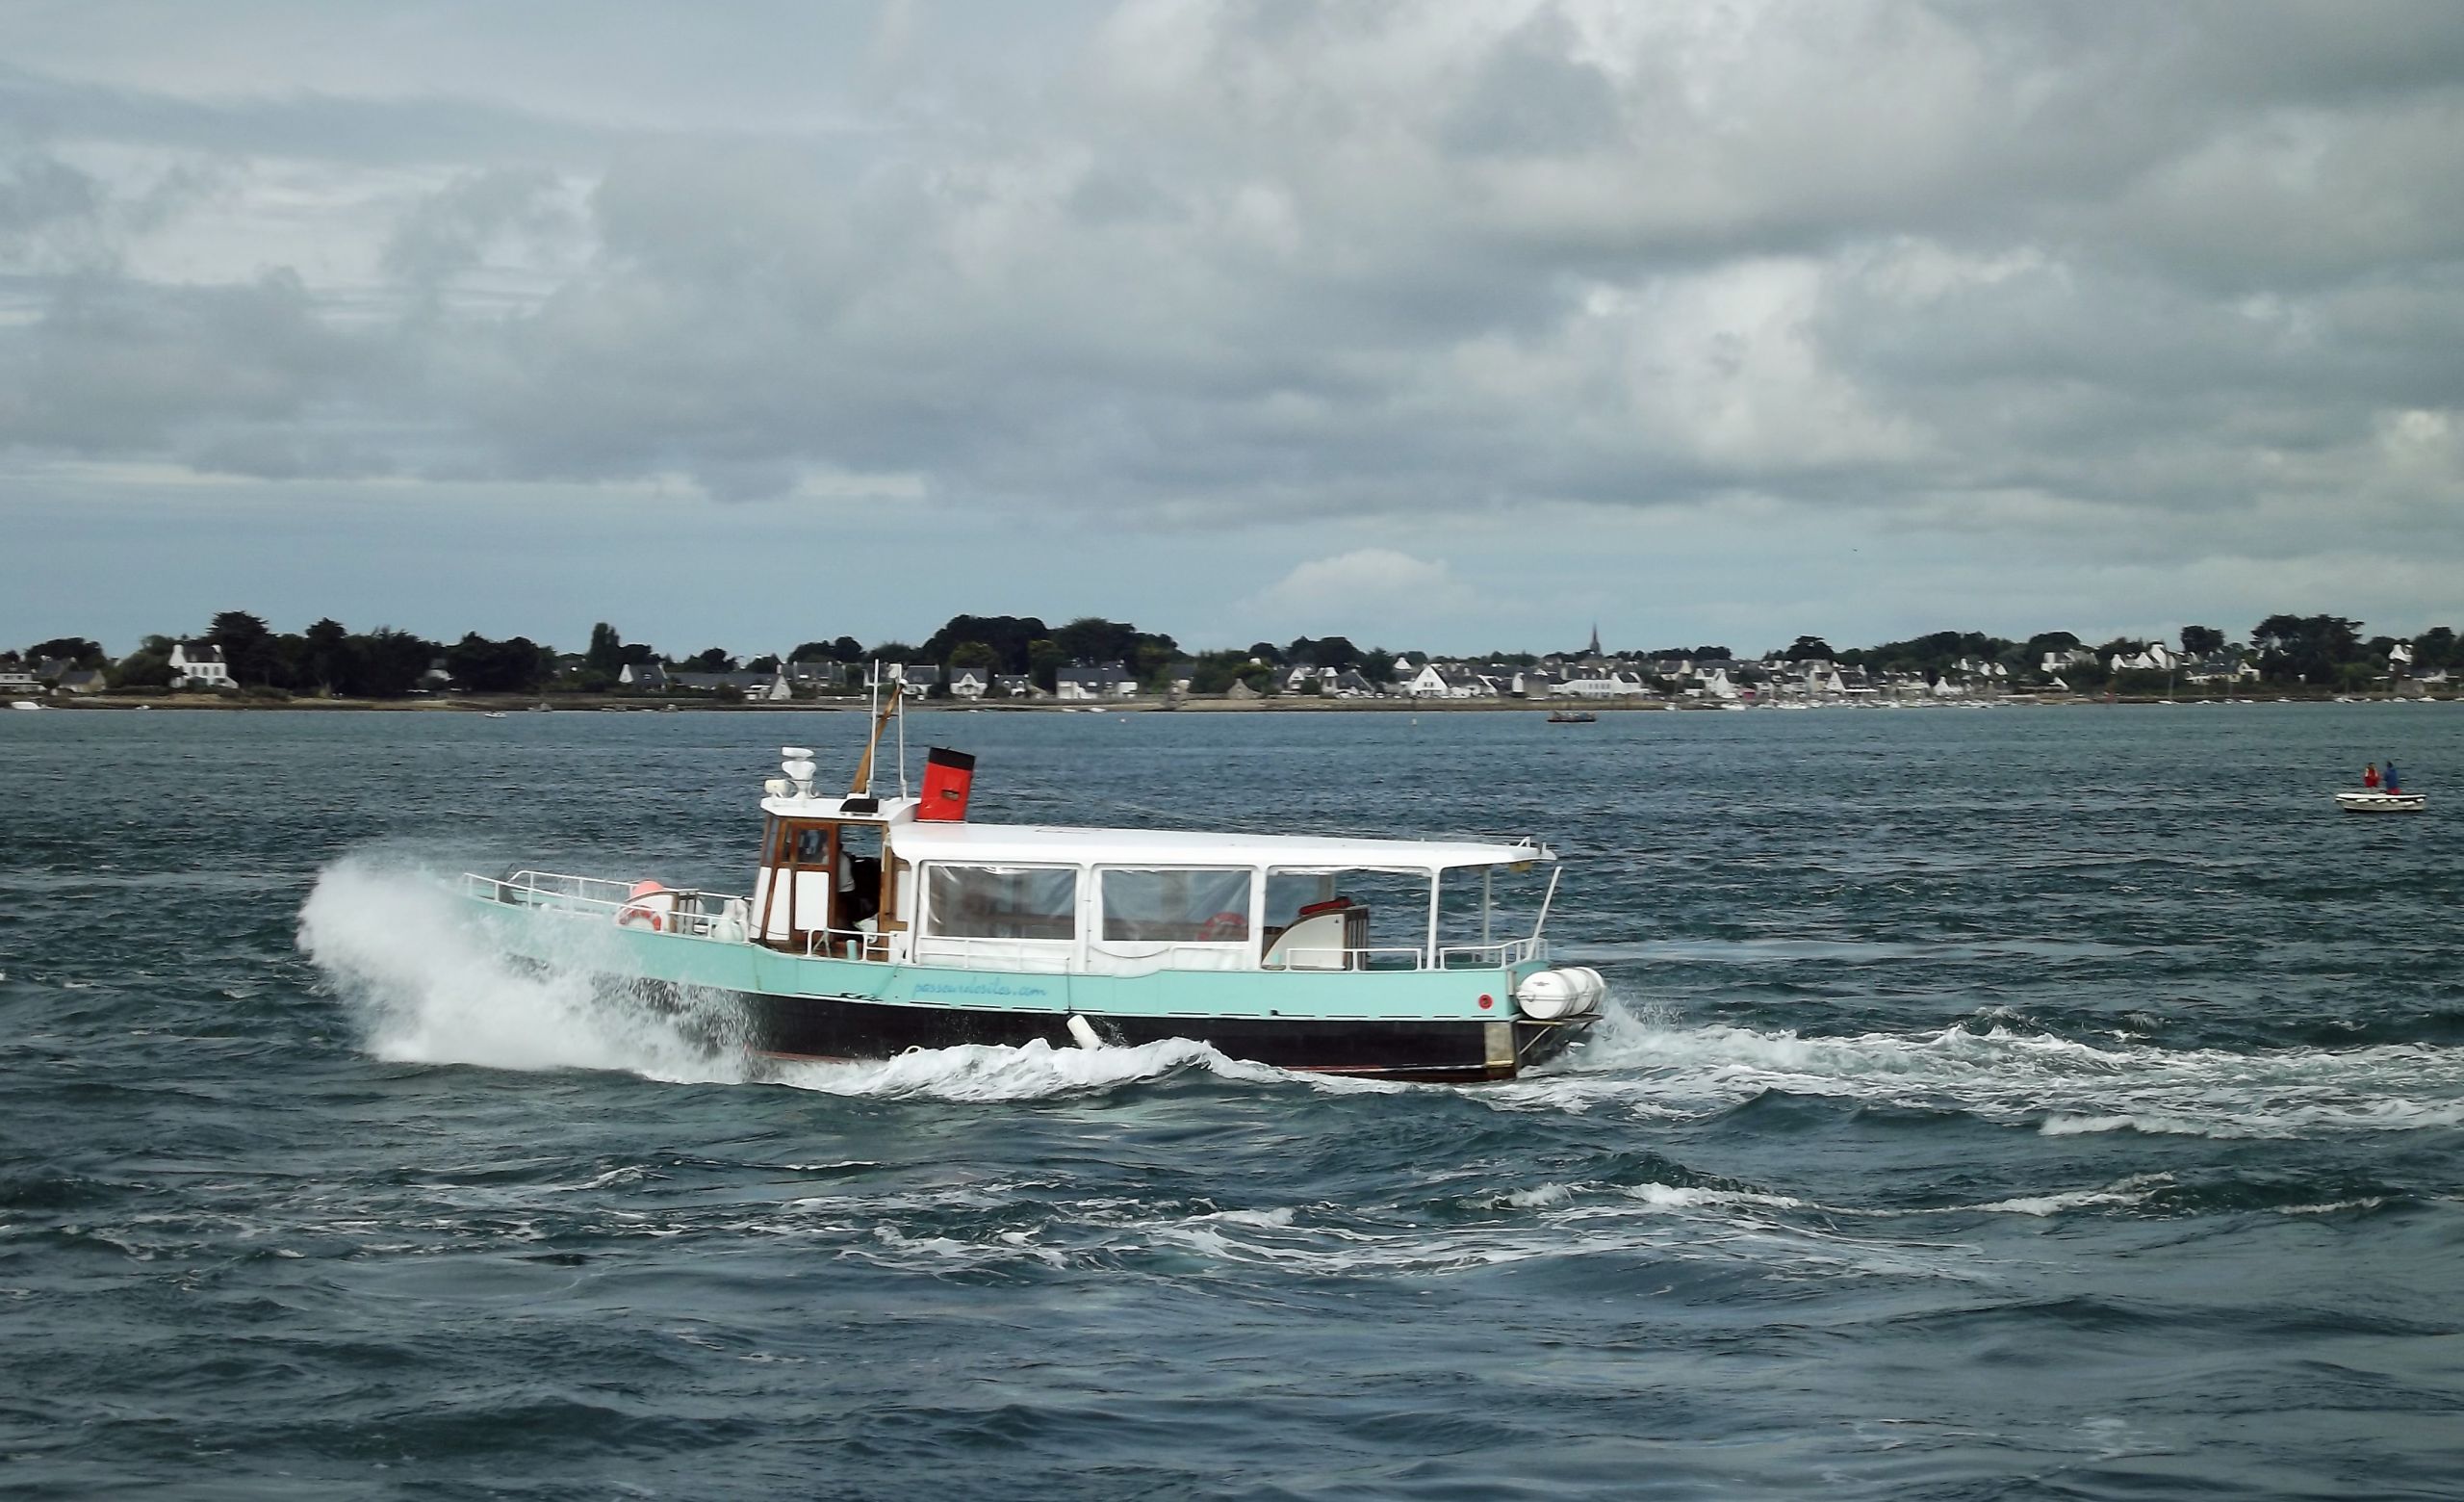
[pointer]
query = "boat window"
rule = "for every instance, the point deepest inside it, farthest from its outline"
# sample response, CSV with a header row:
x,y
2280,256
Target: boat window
x,y
1351,917
1481,907
813,845
1001,901
1176,905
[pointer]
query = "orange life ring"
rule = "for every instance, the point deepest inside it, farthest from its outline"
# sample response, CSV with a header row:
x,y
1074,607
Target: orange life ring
x,y
639,916
1226,927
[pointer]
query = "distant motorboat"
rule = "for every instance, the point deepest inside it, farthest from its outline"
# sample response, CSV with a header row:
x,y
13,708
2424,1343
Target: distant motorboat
x,y
493,714
2373,801
1573,717
24,704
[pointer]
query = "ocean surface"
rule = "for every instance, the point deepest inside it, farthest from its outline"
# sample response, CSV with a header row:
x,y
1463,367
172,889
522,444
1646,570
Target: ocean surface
x,y
2024,1103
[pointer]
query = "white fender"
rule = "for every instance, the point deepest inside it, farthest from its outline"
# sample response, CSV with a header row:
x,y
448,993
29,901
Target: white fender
x,y
1083,1031
1561,993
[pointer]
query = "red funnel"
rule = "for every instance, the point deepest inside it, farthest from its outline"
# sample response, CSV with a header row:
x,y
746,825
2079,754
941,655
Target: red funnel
x,y
948,777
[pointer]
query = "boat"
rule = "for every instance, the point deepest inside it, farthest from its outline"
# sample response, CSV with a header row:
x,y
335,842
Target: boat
x,y
493,714
879,923
24,704
2374,801
1573,717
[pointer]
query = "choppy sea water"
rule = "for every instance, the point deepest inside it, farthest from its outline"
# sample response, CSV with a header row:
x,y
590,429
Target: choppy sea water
x,y
2028,1103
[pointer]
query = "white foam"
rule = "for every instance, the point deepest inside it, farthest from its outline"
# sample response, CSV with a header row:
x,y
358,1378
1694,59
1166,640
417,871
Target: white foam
x,y
1030,1072
1654,1066
428,988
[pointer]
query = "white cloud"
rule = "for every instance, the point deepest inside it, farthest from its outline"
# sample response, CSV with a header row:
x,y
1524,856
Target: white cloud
x,y
1367,590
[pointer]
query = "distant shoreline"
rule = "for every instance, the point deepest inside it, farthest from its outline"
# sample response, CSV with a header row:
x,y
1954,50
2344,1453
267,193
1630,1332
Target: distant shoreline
x,y
1282,705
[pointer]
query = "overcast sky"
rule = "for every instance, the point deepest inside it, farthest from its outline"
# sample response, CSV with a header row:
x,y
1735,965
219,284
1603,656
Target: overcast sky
x,y
1440,325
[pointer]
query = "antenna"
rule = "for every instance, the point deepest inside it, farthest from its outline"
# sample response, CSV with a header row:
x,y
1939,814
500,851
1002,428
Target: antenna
x,y
902,738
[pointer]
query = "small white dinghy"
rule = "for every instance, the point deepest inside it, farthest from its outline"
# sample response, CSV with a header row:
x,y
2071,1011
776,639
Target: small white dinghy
x,y
2376,802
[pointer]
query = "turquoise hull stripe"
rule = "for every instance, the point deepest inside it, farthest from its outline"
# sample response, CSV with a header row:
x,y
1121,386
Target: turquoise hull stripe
x,y
1349,996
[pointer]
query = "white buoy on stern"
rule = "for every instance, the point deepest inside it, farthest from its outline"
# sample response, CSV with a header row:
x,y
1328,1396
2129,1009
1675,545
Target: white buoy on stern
x,y
1560,993
1083,1031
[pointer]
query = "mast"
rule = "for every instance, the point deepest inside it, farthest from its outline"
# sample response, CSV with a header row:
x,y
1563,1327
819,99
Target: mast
x,y
881,712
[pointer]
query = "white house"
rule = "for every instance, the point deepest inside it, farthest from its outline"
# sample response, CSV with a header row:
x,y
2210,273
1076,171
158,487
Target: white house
x,y
771,686
2228,666
196,666
969,683
813,676
2156,658
1082,682
1593,685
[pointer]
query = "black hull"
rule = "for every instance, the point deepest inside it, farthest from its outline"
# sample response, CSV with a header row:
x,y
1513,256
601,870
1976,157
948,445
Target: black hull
x,y
835,1028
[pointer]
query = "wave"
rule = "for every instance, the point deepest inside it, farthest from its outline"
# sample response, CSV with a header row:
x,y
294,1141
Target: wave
x,y
1029,1071
425,987
1650,1065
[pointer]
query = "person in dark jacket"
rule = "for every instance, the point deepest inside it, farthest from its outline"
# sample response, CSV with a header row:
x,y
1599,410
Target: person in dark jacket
x,y
2388,779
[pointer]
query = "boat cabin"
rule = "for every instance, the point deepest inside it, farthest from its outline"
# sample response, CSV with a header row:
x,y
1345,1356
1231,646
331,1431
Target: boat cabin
x,y
909,880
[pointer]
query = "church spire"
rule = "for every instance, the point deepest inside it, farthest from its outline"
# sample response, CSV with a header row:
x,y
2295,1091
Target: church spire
x,y
1595,639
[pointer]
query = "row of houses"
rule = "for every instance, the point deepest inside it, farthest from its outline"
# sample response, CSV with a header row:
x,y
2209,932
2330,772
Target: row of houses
x,y
1080,681
20,679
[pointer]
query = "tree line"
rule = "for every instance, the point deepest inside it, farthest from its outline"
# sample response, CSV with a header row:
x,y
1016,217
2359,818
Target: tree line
x,y
386,662
2327,650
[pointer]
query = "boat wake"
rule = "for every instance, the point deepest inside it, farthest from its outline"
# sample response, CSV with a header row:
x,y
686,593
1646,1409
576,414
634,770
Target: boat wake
x,y
1654,1066
1034,1071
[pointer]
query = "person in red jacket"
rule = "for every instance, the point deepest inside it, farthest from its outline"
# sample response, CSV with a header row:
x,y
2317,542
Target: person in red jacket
x,y
2370,777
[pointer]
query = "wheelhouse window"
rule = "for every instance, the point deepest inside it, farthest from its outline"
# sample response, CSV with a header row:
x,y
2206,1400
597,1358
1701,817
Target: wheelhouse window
x,y
1175,905
1001,902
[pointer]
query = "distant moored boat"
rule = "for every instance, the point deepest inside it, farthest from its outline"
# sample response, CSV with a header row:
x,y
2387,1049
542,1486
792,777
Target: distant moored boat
x,y
2376,802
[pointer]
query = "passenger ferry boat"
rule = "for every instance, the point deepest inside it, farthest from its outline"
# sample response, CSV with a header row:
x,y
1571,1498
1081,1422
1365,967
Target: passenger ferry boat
x,y
876,925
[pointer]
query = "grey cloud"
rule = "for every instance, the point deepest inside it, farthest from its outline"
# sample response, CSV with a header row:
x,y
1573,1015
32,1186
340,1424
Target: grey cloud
x,y
38,106
50,214
1260,261
36,190
122,369
1530,96
454,230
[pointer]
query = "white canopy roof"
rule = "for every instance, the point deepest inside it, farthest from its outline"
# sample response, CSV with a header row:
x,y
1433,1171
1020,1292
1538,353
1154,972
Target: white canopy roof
x,y
1041,844
892,811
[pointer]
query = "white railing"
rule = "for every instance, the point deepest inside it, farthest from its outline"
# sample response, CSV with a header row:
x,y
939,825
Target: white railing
x,y
1491,956
1409,957
1040,955
1140,957
1330,957
695,915
842,943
